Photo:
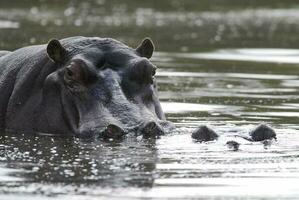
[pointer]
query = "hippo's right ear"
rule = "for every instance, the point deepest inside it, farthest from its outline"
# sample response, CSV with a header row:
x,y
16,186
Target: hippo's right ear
x,y
56,51
146,48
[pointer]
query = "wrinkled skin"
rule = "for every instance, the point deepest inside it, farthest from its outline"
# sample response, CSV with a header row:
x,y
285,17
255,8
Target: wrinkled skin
x,y
3,53
81,86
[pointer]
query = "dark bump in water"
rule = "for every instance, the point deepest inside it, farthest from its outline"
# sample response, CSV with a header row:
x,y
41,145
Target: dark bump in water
x,y
267,143
204,134
262,132
233,145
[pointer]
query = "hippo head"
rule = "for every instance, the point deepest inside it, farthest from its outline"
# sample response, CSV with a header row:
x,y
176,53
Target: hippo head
x,y
99,86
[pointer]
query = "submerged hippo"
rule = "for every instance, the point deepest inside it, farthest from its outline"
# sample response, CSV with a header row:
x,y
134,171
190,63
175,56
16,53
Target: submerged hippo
x,y
81,86
260,133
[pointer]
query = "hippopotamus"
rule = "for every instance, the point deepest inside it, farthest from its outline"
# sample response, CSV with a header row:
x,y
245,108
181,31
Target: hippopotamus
x,y
87,86
81,86
262,133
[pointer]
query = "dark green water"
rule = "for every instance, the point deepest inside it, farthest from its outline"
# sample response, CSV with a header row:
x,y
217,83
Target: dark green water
x,y
226,63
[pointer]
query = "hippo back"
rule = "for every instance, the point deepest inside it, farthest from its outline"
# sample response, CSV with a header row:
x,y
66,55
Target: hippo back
x,y
3,53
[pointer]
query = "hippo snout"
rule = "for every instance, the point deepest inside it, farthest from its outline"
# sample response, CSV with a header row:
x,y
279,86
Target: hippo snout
x,y
150,129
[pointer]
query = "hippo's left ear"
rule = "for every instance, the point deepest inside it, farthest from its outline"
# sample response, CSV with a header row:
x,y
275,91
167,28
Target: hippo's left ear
x,y
56,51
146,48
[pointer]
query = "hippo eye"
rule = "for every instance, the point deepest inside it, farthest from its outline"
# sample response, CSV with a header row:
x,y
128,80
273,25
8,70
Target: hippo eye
x,y
74,72
79,73
143,72
69,72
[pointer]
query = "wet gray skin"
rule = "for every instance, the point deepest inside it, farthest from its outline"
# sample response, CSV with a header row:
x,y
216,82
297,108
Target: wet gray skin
x,y
81,86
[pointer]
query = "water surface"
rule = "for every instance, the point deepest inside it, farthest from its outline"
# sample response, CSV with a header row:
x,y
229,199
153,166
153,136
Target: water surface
x,y
227,64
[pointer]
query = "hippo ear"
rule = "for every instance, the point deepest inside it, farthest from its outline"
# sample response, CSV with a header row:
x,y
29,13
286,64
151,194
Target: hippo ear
x,y
146,48
56,51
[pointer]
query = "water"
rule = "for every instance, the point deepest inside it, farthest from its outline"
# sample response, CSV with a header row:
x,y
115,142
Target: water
x,y
227,64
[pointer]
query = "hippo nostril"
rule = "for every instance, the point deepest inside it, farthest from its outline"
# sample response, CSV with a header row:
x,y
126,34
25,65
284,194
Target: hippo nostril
x,y
151,129
151,126
112,132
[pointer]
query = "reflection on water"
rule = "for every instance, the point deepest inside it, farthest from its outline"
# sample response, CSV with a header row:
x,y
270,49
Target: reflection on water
x,y
8,24
175,25
227,64
254,55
